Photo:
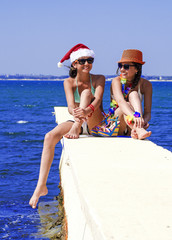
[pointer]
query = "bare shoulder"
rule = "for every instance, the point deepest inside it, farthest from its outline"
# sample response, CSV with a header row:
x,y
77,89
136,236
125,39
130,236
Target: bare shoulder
x,y
145,84
68,82
115,85
116,80
98,79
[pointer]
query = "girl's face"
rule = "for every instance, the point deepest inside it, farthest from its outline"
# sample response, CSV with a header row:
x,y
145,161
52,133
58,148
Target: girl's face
x,y
128,70
84,64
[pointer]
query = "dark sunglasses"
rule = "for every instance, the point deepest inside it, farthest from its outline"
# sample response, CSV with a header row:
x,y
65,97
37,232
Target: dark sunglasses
x,y
125,66
82,61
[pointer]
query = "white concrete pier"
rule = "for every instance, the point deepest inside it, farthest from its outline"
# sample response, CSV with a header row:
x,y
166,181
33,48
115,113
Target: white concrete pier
x,y
115,188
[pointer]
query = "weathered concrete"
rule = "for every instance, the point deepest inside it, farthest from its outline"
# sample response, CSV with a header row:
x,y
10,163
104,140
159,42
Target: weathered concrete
x,y
116,188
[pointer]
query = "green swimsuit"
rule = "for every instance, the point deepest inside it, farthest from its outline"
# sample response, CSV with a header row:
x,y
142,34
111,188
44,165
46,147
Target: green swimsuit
x,y
76,93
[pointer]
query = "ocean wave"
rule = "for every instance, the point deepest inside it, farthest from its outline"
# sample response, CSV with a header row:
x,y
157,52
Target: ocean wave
x,y
25,105
14,133
29,105
22,122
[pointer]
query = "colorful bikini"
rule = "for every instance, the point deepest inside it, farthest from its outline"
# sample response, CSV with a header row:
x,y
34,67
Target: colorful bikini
x,y
76,93
110,125
125,91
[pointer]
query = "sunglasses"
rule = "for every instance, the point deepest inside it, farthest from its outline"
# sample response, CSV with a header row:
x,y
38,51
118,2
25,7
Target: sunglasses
x,y
125,66
82,61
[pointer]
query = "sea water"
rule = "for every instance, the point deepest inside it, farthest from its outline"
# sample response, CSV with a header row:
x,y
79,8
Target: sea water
x,y
25,117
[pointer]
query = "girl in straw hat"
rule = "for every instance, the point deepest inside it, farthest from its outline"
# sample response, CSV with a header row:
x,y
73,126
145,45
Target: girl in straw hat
x,y
127,91
84,92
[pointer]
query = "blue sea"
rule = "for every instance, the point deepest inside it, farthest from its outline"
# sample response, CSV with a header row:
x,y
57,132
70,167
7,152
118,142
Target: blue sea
x,y
26,116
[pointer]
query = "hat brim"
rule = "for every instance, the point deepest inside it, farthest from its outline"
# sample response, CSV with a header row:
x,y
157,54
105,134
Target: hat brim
x,y
130,61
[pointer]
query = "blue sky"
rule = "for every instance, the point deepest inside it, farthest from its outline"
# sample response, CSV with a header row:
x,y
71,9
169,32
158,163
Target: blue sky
x,y
35,34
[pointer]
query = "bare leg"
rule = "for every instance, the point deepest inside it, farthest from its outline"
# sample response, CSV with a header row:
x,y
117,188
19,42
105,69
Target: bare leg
x,y
74,131
135,102
136,133
85,100
123,124
142,133
95,119
50,141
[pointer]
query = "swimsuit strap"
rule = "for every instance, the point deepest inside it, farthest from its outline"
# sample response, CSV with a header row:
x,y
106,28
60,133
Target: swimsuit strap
x,y
92,88
76,93
139,92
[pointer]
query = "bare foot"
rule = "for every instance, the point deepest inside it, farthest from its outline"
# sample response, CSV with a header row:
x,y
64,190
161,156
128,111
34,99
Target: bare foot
x,y
142,133
74,131
39,191
134,134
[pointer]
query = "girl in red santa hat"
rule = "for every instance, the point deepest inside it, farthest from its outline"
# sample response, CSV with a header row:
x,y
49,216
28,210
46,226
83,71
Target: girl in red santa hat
x,y
84,93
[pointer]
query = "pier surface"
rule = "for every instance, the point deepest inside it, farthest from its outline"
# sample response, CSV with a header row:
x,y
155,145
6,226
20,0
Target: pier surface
x,y
115,188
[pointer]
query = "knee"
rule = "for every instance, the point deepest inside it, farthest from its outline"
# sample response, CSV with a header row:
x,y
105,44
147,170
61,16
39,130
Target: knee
x,y
119,113
86,93
133,94
49,139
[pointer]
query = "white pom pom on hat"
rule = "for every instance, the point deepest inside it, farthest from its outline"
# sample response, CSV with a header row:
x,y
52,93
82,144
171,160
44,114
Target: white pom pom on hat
x,y
59,65
79,50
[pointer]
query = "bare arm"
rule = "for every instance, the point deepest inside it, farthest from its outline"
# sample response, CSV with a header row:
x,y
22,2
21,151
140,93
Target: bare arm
x,y
69,94
147,91
99,90
117,93
84,111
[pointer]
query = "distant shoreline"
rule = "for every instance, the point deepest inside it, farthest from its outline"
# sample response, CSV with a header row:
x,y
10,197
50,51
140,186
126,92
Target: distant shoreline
x,y
155,80
54,78
31,79
62,79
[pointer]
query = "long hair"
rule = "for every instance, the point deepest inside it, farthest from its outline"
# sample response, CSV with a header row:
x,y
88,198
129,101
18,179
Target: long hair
x,y
137,76
72,72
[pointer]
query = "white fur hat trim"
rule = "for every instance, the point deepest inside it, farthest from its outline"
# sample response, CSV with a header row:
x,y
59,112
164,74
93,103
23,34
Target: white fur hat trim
x,y
82,52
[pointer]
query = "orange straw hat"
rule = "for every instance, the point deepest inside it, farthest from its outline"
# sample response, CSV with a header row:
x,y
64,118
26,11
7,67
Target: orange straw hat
x,y
132,55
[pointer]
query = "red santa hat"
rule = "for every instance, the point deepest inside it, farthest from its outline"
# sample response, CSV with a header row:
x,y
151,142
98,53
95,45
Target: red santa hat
x,y
79,50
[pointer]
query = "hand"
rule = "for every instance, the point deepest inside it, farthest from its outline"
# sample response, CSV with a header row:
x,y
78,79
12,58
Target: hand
x,y
79,120
138,122
76,118
146,125
79,113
